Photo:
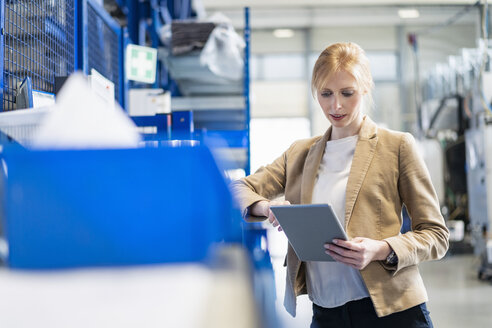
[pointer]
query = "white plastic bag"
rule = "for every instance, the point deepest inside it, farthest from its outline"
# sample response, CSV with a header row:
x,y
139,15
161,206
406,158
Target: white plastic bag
x,y
165,35
223,52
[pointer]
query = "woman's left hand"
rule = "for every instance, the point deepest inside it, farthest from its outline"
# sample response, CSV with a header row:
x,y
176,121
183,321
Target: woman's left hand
x,y
358,252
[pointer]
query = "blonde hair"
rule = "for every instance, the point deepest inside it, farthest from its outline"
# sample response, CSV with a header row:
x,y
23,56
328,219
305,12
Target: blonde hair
x,y
345,56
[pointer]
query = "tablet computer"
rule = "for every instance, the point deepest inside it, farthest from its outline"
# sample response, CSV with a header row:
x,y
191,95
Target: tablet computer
x,y
308,228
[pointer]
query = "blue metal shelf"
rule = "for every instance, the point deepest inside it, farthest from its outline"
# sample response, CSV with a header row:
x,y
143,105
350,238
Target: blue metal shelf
x,y
234,139
102,46
39,41
247,53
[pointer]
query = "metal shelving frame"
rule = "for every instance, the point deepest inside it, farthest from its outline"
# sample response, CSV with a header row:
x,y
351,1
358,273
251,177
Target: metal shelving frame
x,y
102,46
38,40
247,53
225,117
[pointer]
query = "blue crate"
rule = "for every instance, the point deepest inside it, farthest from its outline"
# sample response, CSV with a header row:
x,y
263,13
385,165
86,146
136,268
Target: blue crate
x,y
115,207
38,41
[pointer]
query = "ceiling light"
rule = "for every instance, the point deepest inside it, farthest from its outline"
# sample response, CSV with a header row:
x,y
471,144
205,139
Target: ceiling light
x,y
283,33
408,13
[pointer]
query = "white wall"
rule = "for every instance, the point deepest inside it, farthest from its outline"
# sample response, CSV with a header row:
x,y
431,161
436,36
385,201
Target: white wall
x,y
265,42
369,38
279,99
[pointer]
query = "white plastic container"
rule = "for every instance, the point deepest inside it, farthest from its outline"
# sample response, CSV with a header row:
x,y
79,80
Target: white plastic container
x,y
456,230
489,251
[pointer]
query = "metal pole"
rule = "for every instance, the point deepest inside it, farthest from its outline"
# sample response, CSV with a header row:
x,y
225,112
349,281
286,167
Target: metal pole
x,y
247,37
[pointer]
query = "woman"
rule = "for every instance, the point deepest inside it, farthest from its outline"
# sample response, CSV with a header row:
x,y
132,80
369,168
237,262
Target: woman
x,y
367,173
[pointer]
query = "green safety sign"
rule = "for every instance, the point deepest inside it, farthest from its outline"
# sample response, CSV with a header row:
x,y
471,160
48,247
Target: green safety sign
x,y
141,63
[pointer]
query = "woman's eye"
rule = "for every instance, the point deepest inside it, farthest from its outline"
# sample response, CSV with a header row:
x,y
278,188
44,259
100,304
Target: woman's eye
x,y
347,93
326,94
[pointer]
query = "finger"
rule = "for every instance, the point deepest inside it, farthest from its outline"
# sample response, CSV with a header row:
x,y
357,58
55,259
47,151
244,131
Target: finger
x,y
347,244
343,252
338,249
351,263
355,266
342,243
342,259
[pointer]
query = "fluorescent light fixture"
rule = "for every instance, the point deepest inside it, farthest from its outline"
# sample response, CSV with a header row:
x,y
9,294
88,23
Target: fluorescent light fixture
x,y
408,13
283,33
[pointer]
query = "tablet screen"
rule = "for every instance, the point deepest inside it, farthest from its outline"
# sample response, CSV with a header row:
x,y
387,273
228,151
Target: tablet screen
x,y
308,228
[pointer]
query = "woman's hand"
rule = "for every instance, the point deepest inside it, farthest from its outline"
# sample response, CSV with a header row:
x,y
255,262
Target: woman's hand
x,y
358,252
262,208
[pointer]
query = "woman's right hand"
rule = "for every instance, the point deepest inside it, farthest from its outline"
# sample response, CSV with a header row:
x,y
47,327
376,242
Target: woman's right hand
x,y
263,208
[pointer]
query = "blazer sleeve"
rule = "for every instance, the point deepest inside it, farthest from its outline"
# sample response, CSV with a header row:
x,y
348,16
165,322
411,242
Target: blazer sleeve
x,y
429,238
265,184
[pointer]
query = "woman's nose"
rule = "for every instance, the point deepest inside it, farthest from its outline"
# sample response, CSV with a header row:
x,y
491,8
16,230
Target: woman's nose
x,y
337,104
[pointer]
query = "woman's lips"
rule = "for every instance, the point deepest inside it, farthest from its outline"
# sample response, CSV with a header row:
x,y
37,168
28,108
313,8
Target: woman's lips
x,y
337,117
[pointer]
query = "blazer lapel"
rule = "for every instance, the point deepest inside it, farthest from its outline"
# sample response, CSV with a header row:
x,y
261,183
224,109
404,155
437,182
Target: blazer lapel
x,y
311,166
364,152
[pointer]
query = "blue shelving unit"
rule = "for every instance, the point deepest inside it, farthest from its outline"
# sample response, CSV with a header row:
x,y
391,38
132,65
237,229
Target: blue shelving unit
x,y
102,46
221,116
247,81
225,116
138,12
38,41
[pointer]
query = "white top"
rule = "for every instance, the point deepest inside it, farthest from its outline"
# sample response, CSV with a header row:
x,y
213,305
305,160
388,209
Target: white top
x,y
331,284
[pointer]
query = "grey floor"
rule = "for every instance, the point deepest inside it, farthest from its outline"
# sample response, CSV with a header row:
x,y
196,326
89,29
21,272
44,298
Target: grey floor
x,y
456,297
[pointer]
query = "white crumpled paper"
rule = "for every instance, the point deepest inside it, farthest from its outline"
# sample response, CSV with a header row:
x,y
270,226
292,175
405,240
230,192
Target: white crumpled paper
x,y
82,120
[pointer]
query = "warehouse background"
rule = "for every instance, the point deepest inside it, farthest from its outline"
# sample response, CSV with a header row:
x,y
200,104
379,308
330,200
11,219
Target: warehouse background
x,y
123,121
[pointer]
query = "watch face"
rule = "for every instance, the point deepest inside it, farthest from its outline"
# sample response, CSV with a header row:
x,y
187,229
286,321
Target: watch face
x,y
392,258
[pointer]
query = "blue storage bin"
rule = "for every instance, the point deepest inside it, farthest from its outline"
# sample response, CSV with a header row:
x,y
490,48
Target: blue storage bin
x,y
114,207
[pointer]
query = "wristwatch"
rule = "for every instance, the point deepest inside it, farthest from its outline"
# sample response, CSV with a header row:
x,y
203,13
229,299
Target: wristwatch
x,y
391,259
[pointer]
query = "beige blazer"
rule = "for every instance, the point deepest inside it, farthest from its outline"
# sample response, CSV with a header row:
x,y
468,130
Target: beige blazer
x,y
387,172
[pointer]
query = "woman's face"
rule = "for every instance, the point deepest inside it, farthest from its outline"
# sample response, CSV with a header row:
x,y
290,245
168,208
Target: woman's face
x,y
341,99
